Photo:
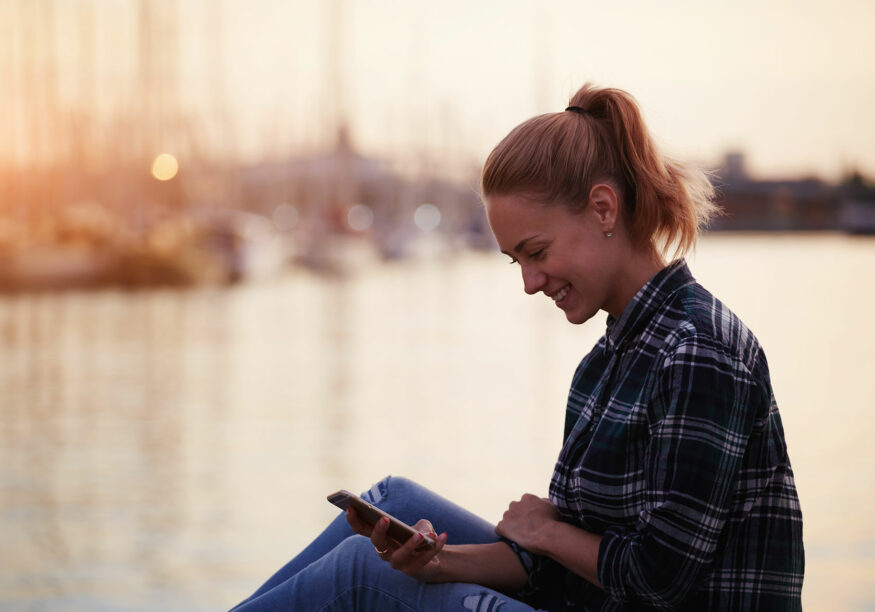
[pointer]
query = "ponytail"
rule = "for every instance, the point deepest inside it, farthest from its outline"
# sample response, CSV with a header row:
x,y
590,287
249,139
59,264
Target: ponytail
x,y
556,158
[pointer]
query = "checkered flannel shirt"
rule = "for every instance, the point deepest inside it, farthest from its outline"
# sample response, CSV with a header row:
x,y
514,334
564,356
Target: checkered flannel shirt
x,y
674,452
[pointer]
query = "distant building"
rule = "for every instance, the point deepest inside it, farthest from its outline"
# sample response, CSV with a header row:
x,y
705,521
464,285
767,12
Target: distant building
x,y
806,204
857,209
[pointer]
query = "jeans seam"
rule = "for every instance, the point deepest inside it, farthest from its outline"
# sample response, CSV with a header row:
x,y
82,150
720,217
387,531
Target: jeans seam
x,y
368,588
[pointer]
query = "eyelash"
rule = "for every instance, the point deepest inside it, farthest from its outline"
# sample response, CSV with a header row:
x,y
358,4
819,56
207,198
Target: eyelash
x,y
537,255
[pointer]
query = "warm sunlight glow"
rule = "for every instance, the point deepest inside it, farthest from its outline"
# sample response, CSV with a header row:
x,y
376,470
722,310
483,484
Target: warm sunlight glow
x,y
164,167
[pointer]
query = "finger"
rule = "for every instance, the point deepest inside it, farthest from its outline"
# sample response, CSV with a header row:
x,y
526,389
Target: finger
x,y
440,541
357,524
416,559
424,526
379,537
403,558
422,544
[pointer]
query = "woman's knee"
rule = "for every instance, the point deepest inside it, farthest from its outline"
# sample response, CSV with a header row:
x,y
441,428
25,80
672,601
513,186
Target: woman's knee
x,y
391,487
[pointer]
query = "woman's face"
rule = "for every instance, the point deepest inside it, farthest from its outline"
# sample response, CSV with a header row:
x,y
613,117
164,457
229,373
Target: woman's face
x,y
562,254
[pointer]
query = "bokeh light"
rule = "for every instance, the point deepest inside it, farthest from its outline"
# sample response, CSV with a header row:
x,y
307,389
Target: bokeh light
x,y
285,217
360,218
427,217
164,167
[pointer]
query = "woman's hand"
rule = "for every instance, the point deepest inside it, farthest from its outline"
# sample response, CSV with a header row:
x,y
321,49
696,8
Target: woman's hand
x,y
528,522
420,563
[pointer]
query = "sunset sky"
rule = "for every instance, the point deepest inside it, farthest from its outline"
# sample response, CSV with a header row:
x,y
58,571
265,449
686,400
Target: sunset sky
x,y
791,83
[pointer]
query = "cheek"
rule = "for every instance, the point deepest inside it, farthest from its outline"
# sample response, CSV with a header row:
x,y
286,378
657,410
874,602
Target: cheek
x,y
584,277
590,285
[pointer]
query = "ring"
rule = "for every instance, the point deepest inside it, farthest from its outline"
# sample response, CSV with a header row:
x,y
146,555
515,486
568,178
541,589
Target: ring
x,y
381,552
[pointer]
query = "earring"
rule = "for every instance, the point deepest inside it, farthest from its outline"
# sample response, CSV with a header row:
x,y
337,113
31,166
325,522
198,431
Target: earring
x,y
608,234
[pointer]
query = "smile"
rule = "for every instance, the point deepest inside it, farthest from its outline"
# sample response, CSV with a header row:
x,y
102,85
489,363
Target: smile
x,y
560,295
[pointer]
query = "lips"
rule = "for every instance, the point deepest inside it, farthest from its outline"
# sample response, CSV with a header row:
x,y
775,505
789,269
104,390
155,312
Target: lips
x,y
558,296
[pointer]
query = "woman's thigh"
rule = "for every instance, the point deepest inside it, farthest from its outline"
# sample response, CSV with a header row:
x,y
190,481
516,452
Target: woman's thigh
x,y
352,577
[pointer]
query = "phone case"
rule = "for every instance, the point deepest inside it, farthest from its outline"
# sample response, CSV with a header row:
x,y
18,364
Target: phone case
x,y
400,532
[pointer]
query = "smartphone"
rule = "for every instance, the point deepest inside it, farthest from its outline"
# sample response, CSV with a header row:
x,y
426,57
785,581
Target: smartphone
x,y
398,531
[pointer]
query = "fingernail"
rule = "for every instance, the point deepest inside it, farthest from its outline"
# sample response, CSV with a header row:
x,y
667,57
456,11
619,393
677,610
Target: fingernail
x,y
384,521
417,538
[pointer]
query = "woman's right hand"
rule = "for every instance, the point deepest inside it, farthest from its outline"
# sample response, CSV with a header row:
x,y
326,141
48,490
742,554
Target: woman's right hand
x,y
423,563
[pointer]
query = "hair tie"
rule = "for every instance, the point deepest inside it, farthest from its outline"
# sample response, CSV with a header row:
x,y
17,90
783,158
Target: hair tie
x,y
577,109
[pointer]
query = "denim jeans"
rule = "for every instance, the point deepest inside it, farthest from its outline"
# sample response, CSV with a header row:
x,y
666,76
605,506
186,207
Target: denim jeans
x,y
340,570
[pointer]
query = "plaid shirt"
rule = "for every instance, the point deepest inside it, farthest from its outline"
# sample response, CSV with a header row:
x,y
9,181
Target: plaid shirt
x,y
674,452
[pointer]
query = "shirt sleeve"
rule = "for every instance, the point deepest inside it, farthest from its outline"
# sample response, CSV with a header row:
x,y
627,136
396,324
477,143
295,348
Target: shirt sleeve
x,y
545,578
703,410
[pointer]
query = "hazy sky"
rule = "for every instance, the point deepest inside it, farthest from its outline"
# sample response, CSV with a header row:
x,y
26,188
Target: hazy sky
x,y
791,83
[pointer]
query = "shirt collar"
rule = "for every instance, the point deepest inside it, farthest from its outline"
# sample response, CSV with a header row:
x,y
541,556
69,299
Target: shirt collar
x,y
644,305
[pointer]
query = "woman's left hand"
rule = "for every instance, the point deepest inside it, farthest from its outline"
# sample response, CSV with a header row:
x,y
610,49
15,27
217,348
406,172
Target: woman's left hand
x,y
528,521
422,563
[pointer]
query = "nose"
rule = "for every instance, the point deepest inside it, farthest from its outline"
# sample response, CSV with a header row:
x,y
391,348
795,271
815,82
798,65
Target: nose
x,y
533,279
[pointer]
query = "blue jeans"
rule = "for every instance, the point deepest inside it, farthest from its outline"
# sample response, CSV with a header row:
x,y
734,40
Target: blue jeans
x,y
340,570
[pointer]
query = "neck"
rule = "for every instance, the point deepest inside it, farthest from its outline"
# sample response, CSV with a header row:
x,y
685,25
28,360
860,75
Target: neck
x,y
632,274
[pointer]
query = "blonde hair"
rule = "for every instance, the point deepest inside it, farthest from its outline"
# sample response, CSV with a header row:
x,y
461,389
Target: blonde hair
x,y
558,157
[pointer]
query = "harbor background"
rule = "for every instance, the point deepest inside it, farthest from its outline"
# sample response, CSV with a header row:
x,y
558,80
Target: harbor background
x,y
170,449
243,263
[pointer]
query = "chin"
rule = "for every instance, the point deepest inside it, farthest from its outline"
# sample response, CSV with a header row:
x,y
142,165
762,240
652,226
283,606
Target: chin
x,y
576,317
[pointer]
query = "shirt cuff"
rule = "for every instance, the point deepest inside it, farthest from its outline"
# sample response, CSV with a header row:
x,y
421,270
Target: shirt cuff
x,y
544,577
611,561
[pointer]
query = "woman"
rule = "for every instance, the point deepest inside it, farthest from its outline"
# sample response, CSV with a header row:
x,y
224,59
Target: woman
x,y
673,489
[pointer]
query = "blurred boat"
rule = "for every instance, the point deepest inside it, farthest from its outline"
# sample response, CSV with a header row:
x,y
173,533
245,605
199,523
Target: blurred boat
x,y
338,254
207,248
244,245
54,267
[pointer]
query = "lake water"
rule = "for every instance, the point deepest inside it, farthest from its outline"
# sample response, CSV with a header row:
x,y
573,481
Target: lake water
x,y
168,450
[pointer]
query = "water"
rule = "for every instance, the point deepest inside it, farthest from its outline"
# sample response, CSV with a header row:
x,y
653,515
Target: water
x,y
168,450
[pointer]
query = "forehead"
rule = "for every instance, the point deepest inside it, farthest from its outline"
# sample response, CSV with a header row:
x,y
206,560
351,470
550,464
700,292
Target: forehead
x,y
513,209
514,218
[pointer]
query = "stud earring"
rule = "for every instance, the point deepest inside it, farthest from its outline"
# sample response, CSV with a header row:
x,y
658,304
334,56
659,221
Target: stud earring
x,y
608,234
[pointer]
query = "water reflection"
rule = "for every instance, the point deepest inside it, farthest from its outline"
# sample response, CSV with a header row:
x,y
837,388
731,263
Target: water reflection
x,y
99,391
169,449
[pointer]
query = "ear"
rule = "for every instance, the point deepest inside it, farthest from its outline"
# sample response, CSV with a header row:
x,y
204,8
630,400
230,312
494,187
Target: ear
x,y
606,204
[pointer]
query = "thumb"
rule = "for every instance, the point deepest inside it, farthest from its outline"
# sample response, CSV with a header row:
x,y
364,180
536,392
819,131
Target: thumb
x,y
425,526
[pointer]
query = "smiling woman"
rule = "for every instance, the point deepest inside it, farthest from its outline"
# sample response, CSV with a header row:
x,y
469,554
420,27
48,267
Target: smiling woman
x,y
598,165
673,489
674,463
566,255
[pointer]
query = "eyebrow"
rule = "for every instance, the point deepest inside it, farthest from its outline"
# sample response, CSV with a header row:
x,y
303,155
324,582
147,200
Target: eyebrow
x,y
519,245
